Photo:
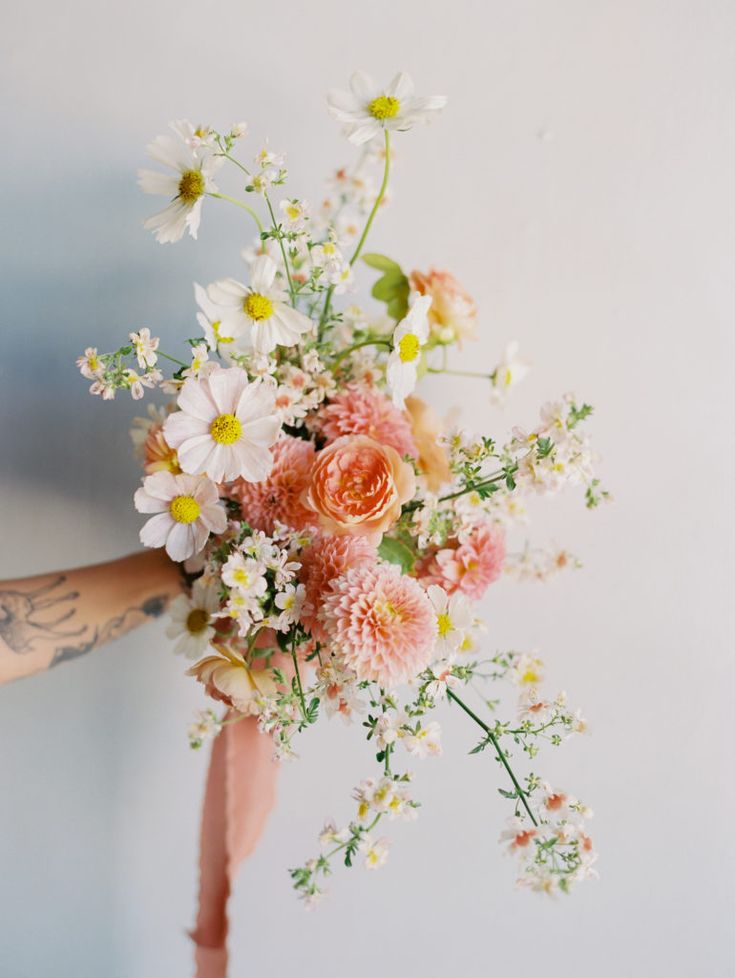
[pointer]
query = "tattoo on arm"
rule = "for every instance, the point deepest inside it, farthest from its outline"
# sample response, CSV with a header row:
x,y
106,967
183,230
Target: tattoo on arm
x,y
20,626
41,616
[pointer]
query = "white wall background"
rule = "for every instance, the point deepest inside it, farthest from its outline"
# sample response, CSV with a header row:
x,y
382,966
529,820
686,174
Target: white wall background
x,y
581,184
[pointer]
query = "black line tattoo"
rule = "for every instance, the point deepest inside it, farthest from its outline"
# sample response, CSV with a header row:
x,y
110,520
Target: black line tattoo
x,y
20,626
40,616
152,608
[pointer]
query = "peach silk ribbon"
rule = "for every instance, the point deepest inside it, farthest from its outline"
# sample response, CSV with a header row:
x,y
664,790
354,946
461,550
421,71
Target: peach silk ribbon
x,y
240,792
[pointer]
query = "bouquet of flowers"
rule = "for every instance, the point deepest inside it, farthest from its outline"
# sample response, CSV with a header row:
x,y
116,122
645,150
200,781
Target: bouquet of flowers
x,y
336,535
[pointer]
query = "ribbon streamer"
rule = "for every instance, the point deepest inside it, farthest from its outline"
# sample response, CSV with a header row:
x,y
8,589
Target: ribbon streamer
x,y
240,793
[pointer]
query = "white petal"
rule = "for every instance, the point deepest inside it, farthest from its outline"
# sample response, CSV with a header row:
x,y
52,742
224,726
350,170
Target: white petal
x,y
194,454
363,87
225,387
181,427
169,224
161,485
155,531
194,399
401,87
264,336
194,217
153,182
345,107
294,320
363,131
262,274
227,292
145,503
256,400
215,519
262,431
180,541
255,462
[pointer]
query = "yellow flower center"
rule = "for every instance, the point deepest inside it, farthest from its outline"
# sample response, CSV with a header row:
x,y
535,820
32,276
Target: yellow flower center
x,y
191,186
197,620
384,107
530,676
225,429
257,306
93,363
444,624
408,347
184,509
217,330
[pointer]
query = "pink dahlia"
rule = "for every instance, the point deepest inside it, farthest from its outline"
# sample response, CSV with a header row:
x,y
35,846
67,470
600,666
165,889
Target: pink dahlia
x,y
322,562
381,622
360,409
277,498
469,567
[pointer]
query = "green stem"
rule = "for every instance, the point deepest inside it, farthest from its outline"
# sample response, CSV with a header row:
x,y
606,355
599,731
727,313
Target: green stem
x,y
378,201
172,359
298,676
240,203
356,346
279,236
458,373
371,217
498,750
479,485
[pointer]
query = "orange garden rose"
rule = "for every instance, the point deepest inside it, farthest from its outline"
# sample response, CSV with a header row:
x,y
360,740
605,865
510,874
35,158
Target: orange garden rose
x,y
453,313
358,486
426,428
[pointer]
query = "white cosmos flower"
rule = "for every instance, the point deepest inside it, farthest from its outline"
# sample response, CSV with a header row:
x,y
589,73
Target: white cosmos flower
x,y
224,426
510,371
368,109
211,318
409,336
453,619
192,619
261,308
187,509
194,167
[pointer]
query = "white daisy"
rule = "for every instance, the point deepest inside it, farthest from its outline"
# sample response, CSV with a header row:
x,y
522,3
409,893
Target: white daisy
x,y
369,109
262,308
192,619
409,336
194,168
187,509
211,318
224,426
453,619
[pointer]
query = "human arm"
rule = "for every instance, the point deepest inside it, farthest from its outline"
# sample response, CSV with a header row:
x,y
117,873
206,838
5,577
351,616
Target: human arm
x,y
52,618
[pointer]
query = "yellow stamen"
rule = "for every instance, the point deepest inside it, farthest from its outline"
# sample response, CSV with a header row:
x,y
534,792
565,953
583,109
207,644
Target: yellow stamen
x,y
225,429
191,186
257,306
197,620
384,107
408,348
444,624
184,509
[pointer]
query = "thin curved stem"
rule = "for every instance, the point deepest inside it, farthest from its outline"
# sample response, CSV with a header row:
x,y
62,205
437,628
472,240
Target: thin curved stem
x,y
371,217
378,201
239,203
356,346
279,236
498,750
167,356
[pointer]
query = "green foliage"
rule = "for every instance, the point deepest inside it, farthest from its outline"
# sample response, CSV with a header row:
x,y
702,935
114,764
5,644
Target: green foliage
x,y
396,552
392,287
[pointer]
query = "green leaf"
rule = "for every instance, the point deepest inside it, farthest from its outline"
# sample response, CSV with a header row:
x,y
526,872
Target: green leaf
x,y
381,262
392,287
396,552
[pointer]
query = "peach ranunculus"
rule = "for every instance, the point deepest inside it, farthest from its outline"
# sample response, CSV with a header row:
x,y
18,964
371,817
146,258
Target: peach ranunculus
x,y
228,678
453,313
358,486
427,428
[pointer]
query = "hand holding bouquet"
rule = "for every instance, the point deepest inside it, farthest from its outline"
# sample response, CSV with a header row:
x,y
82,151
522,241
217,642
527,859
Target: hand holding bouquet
x,y
342,537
